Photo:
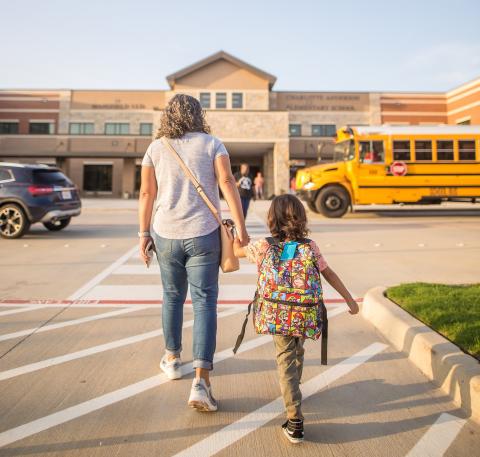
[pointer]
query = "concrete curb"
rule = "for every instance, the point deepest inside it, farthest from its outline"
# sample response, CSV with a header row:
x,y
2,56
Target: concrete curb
x,y
455,372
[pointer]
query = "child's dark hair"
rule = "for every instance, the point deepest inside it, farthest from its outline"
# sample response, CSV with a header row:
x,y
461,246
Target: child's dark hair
x,y
287,218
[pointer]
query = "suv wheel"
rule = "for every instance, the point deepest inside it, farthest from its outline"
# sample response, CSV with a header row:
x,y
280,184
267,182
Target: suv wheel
x,y
333,201
13,221
57,225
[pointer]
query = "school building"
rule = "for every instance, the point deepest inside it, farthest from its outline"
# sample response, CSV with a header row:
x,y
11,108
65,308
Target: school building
x,y
98,137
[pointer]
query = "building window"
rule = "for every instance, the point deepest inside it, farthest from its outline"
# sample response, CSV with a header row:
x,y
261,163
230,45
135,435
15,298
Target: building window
x,y
445,150
205,100
237,100
464,122
97,178
8,128
401,150
220,100
117,128
41,128
81,128
466,149
295,129
423,150
324,130
146,128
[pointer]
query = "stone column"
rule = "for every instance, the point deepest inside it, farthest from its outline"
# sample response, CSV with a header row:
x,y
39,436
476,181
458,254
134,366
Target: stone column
x,y
129,176
64,112
281,168
268,174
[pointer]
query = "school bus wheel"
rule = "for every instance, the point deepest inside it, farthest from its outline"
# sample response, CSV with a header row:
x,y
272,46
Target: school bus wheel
x,y
311,206
333,201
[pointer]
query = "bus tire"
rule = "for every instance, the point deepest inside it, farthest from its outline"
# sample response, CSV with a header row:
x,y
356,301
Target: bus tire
x,y
311,206
332,201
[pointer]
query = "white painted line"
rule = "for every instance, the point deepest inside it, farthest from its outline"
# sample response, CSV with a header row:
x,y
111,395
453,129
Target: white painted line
x,y
96,349
23,309
82,320
27,306
439,437
155,292
102,275
335,311
251,422
135,269
81,409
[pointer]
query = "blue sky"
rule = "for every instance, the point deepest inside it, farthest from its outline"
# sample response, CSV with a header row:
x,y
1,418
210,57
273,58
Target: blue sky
x,y
308,45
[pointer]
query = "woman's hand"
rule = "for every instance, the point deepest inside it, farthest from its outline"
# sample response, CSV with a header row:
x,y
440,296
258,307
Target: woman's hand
x,y
144,240
243,237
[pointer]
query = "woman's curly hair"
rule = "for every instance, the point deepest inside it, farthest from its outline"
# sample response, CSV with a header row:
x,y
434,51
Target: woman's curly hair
x,y
287,218
182,114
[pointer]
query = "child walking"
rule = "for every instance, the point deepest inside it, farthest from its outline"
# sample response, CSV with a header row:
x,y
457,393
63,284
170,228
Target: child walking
x,y
288,303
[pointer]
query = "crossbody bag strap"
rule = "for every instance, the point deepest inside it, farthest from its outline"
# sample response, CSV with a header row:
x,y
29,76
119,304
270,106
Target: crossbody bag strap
x,y
192,178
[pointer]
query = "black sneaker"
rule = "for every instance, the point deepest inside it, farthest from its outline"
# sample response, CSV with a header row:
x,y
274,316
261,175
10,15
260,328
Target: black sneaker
x,y
293,430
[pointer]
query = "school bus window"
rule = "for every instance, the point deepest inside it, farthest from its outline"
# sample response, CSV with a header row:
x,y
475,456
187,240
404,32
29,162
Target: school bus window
x,y
423,150
371,152
401,150
466,150
444,150
344,151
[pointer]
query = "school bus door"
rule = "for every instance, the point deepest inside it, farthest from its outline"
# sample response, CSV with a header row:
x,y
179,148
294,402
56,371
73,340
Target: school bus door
x,y
372,179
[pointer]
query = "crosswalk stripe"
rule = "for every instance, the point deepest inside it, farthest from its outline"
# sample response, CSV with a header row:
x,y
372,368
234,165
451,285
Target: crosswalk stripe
x,y
134,269
155,291
21,310
251,422
82,320
439,437
73,412
96,349
103,274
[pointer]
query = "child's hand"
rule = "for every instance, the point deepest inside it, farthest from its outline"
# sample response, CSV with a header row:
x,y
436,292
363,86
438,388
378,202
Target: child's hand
x,y
237,248
353,305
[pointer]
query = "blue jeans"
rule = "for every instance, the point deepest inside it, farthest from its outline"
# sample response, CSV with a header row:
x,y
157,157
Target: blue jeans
x,y
245,204
194,262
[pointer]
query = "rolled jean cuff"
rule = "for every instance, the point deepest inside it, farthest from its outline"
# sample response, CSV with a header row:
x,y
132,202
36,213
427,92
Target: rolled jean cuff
x,y
199,363
173,352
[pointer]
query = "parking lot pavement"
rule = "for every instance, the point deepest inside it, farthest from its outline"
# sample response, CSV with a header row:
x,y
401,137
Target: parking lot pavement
x,y
79,373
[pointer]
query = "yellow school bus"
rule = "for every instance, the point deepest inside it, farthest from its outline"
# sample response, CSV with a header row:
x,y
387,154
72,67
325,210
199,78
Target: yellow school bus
x,y
394,164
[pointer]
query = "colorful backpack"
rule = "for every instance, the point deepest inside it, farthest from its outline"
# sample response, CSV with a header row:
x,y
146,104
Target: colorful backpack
x,y
289,300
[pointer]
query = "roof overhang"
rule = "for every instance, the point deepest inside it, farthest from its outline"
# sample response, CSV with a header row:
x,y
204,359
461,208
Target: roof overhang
x,y
219,56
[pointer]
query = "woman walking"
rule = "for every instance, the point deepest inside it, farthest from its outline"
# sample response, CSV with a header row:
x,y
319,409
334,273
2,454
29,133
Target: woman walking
x,y
186,234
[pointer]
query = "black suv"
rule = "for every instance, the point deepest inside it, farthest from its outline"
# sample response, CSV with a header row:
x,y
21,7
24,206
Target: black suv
x,y
35,193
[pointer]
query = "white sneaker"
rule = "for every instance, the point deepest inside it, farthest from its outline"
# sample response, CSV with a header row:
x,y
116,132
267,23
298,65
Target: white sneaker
x,y
172,368
201,397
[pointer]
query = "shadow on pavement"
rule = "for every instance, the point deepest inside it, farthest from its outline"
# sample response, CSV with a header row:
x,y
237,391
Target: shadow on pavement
x,y
80,231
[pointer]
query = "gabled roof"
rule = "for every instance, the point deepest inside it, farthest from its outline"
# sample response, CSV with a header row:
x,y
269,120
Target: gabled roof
x,y
213,58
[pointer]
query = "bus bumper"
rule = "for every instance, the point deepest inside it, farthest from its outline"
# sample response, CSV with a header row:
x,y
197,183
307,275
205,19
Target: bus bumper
x,y
307,195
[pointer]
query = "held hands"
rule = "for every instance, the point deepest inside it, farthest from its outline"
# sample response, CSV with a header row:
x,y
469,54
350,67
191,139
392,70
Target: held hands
x,y
243,238
353,305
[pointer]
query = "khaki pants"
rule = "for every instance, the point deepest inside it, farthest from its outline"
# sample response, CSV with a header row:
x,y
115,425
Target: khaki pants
x,y
290,365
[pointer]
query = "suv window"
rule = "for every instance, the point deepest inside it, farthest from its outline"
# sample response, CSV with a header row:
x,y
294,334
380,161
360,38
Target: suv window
x,y
5,175
52,177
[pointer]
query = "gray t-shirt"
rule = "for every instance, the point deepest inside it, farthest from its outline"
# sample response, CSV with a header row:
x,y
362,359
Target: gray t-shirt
x,y
180,212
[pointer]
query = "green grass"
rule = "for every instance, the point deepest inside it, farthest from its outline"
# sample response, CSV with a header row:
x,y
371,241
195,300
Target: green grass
x,y
453,311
